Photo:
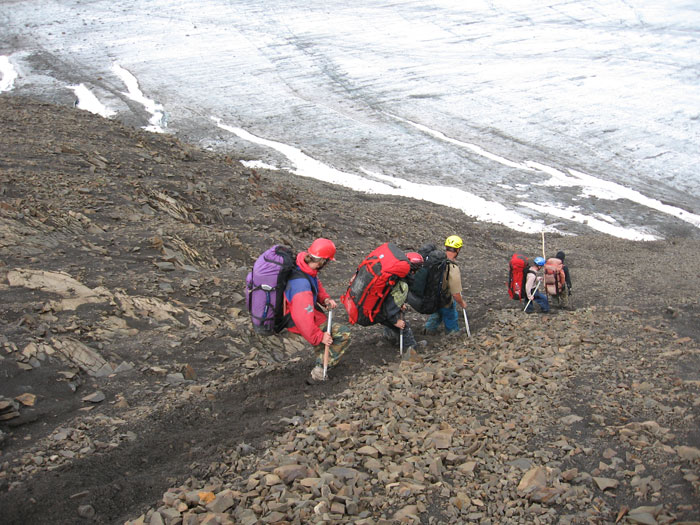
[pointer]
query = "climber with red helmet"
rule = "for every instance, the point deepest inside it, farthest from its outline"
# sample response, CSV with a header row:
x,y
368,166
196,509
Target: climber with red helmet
x,y
391,313
303,293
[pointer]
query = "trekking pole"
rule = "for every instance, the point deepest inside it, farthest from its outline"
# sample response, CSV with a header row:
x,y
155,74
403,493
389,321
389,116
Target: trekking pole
x,y
543,255
326,353
533,294
401,339
466,322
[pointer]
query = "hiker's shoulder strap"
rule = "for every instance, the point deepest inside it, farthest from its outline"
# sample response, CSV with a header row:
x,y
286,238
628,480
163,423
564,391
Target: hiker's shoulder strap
x,y
449,264
297,274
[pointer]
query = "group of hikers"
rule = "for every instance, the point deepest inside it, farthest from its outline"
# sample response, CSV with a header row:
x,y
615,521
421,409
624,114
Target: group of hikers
x,y
526,275
284,292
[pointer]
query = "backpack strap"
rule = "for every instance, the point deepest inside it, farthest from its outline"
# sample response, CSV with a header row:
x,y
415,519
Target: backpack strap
x,y
446,296
297,273
533,272
285,318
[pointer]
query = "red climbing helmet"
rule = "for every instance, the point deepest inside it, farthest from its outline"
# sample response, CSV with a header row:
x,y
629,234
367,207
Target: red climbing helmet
x,y
322,249
416,260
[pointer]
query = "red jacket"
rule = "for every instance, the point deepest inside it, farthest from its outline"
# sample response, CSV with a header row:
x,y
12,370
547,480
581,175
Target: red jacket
x,y
300,298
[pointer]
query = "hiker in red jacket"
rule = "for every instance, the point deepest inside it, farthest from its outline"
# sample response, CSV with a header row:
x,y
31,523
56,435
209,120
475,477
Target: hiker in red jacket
x,y
394,305
303,293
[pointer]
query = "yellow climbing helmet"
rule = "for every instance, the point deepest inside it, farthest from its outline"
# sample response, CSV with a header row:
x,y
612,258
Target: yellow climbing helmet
x,y
453,241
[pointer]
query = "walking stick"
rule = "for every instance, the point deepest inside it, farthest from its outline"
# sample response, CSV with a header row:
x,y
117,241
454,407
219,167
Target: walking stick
x,y
466,322
326,353
533,294
543,255
401,338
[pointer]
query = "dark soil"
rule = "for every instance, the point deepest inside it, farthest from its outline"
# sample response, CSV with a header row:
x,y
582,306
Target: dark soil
x,y
104,203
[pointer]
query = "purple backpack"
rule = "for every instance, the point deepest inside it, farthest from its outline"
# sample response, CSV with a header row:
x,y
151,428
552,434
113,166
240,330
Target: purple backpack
x,y
265,286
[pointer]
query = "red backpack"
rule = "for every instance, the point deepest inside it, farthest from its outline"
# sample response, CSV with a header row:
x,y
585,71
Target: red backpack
x,y
554,276
516,276
373,280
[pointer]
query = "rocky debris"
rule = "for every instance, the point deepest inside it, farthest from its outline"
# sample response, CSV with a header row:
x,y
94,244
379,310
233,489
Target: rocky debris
x,y
26,399
475,433
96,397
56,282
9,409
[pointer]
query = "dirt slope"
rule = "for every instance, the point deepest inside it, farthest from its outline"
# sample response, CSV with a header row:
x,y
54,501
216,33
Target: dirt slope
x,y
127,367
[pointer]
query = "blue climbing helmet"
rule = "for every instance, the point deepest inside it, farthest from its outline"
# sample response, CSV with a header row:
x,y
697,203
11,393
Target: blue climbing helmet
x,y
539,261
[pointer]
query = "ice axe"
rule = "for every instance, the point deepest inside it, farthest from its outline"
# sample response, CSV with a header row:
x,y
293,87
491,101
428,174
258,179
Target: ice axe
x,y
326,353
466,322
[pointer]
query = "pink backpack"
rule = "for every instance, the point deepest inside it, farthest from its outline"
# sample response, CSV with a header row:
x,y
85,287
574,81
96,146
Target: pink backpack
x,y
554,277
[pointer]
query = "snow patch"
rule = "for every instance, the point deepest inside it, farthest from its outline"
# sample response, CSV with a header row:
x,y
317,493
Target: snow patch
x,y
157,120
590,186
572,214
607,190
9,74
259,165
378,183
89,102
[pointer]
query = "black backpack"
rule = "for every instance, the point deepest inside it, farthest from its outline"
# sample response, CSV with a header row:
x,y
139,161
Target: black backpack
x,y
425,294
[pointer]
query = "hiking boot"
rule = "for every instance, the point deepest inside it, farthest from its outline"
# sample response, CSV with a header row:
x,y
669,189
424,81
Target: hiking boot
x,y
316,376
413,349
429,332
410,355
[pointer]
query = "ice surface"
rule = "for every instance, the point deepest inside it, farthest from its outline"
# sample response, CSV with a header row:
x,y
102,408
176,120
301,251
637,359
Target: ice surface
x,y
570,115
